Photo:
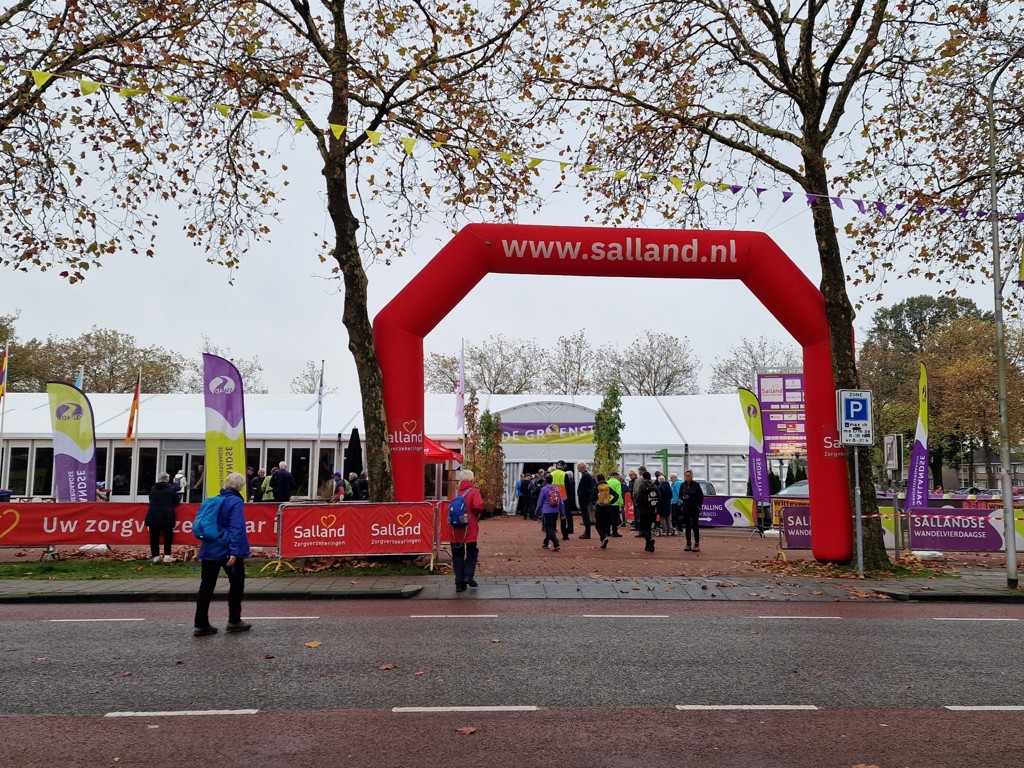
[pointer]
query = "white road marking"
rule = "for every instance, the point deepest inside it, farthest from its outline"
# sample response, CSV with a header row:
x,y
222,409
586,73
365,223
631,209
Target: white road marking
x,y
73,620
968,618
800,617
625,616
690,707
184,713
280,618
986,709
454,616
465,709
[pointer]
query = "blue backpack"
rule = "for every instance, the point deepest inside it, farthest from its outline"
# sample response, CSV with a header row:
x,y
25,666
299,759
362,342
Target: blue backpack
x,y
206,527
458,515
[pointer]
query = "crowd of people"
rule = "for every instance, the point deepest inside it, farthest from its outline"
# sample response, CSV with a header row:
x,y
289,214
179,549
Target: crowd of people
x,y
556,497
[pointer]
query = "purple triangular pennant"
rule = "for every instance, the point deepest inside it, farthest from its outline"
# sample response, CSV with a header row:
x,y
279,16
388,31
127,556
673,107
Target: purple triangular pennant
x,y
860,205
735,188
811,199
837,202
786,195
759,191
882,208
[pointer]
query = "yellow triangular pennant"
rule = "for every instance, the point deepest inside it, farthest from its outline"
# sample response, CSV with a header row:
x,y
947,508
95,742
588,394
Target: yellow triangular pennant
x,y
408,143
562,165
646,175
257,115
129,92
174,99
534,162
699,185
722,187
41,78
336,129
224,109
87,87
676,182
299,123
507,157
474,152
374,136
620,175
589,168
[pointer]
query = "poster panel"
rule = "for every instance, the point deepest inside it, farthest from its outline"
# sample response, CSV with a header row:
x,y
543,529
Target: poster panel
x,y
347,530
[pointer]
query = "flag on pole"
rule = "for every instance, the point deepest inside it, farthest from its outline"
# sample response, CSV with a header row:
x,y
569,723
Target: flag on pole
x,y
320,399
225,422
3,371
917,473
757,461
134,411
74,443
460,390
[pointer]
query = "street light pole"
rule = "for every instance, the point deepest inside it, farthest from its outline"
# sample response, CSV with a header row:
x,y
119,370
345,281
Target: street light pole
x,y
997,284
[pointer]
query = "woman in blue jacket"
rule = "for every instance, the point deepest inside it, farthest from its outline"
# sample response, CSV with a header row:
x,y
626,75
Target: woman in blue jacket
x,y
228,552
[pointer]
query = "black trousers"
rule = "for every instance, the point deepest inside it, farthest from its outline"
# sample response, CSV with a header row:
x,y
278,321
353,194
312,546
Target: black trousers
x,y
691,521
644,523
236,581
605,514
464,559
156,532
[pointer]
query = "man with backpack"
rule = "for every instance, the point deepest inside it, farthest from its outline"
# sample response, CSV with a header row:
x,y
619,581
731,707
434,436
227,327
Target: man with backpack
x,y
646,505
467,505
550,508
220,525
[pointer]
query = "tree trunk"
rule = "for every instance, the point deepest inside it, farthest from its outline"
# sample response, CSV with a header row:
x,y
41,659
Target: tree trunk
x,y
990,471
839,314
935,465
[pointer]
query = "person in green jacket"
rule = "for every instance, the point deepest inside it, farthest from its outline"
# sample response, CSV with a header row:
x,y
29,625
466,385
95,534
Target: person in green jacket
x,y
615,482
267,491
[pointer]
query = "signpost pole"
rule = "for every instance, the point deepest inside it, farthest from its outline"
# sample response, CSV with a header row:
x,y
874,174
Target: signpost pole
x,y
855,429
856,506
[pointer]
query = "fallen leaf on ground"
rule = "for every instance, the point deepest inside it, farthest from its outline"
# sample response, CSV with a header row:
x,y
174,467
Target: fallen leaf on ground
x,y
817,592
386,666
313,644
268,656
495,639
703,586
127,674
466,731
419,673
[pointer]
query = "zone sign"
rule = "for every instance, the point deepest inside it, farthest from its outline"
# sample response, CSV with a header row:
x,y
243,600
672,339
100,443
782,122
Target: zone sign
x,y
854,412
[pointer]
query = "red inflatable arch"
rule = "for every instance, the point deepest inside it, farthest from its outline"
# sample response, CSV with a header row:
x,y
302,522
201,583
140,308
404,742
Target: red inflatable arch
x,y
752,257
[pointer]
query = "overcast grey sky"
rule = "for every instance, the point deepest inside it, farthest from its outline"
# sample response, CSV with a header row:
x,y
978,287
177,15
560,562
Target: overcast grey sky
x,y
289,308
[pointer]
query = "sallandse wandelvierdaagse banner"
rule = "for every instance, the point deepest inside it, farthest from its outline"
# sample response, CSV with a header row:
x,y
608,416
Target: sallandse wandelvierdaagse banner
x,y
917,476
757,462
225,422
74,443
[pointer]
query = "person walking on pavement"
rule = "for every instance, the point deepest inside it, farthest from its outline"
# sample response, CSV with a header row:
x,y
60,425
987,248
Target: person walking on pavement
x,y
585,493
677,504
550,508
665,506
161,517
465,552
604,509
638,491
692,496
646,506
228,552
615,483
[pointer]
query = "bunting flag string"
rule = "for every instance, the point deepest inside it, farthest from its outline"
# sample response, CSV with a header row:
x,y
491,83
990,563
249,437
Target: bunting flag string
x,y
409,144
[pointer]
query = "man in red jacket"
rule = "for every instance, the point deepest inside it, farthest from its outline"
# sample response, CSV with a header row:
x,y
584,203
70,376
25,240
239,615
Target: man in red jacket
x,y
464,550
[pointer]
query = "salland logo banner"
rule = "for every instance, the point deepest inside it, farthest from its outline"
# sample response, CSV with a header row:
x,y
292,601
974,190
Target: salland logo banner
x,y
41,525
405,436
917,471
547,433
757,461
330,530
74,443
225,422
796,526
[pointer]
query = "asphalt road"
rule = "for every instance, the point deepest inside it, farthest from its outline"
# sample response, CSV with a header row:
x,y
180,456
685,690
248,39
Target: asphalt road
x,y
873,683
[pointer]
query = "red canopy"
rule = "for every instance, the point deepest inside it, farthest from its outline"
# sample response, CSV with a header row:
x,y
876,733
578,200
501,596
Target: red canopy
x,y
435,453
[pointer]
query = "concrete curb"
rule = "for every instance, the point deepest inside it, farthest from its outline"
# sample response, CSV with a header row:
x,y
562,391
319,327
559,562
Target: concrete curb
x,y
380,593
938,596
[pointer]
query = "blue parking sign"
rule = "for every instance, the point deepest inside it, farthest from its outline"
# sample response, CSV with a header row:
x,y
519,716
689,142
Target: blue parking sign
x,y
854,412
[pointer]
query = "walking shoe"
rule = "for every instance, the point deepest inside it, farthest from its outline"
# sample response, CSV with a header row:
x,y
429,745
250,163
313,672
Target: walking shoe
x,y
687,548
460,587
156,559
203,631
650,546
585,536
604,543
238,626
557,548
168,558
696,547
545,544
472,583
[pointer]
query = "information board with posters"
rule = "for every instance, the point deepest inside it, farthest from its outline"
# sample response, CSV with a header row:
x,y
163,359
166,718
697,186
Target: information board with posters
x,y
783,413
346,530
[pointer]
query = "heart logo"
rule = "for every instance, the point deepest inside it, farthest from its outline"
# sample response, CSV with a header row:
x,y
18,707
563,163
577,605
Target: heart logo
x,y
409,427
405,518
15,518
328,520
